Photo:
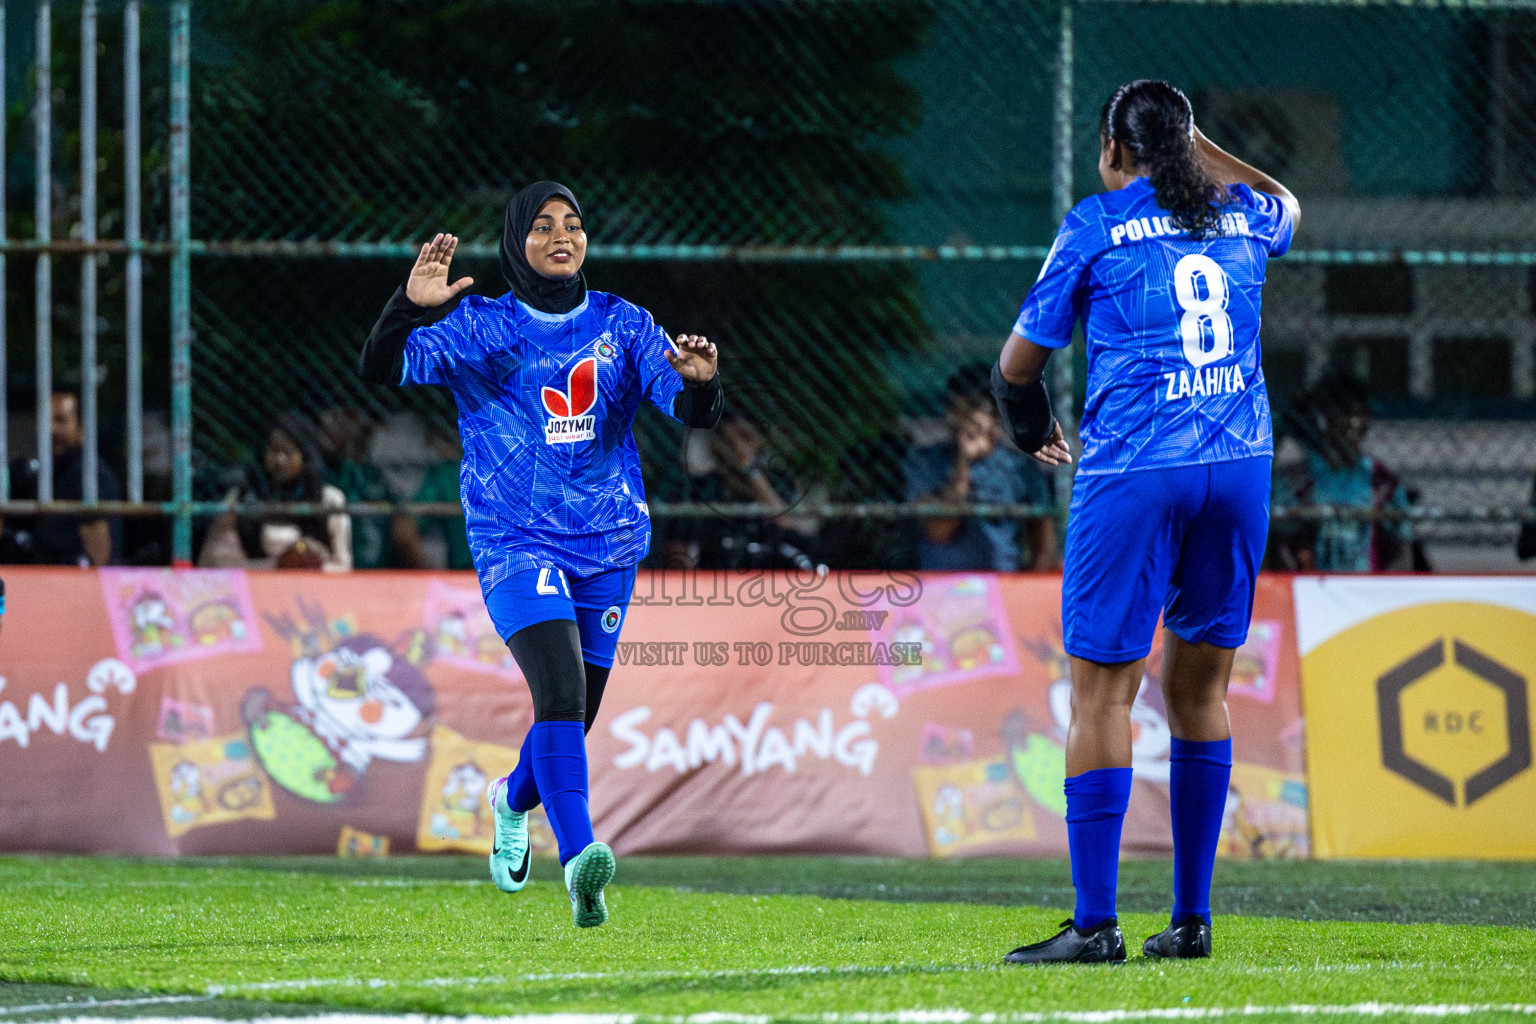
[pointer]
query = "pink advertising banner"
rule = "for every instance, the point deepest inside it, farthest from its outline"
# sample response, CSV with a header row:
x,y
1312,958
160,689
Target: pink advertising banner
x,y
918,715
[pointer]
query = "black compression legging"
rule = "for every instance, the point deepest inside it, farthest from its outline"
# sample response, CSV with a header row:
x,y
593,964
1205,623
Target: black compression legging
x,y
565,688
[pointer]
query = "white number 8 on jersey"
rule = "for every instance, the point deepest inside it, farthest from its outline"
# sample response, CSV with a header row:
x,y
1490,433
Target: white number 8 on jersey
x,y
1198,311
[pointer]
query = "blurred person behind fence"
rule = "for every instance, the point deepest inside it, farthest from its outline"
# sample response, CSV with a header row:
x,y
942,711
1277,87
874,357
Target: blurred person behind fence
x,y
290,470
738,467
147,539
343,435
1331,422
436,542
975,465
871,471
61,540
1525,542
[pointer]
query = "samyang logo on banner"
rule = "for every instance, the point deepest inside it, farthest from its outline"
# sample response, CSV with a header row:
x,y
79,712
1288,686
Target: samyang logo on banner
x,y
1417,702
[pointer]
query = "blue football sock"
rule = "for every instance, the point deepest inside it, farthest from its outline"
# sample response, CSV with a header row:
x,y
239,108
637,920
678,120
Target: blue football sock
x,y
522,789
1199,774
1096,803
560,769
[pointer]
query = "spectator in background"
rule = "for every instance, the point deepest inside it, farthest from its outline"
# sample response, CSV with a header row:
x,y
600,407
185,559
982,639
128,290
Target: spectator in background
x,y
344,436
290,471
57,540
147,539
1525,545
1331,423
738,468
399,447
436,542
871,471
975,465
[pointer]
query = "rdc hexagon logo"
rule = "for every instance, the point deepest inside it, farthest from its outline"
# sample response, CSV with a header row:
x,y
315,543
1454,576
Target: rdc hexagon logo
x,y
1456,728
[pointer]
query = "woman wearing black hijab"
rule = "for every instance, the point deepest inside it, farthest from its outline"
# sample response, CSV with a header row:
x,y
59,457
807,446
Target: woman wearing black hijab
x,y
548,379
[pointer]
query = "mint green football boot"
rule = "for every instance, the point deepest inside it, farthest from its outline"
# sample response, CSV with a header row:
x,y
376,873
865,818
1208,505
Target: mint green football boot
x,y
585,876
511,853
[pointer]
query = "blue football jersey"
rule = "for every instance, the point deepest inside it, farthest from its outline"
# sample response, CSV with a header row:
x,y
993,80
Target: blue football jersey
x,y
551,475
1174,375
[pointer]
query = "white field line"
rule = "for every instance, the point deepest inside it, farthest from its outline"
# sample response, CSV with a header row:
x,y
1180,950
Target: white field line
x,y
1178,1013
252,988
413,883
300,984
1390,965
83,1004
744,972
182,883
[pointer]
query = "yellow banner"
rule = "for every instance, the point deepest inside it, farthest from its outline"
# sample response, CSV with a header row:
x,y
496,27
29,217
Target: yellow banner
x,y
209,782
1419,725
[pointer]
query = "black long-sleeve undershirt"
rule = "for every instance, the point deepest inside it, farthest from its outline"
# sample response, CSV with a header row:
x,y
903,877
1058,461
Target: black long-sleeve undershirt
x,y
383,359
700,405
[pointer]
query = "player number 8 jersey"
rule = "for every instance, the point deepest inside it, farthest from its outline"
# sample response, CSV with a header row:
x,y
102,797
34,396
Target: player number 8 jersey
x,y
1172,326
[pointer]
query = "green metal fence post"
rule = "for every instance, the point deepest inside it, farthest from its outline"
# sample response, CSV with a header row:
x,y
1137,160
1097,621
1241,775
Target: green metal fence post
x,y
1061,203
133,240
89,420
5,355
42,124
181,282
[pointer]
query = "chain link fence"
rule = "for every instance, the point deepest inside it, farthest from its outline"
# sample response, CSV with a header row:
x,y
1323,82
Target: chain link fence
x,y
852,197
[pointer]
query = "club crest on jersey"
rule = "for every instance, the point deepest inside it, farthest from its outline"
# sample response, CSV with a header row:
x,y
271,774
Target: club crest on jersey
x,y
605,350
570,410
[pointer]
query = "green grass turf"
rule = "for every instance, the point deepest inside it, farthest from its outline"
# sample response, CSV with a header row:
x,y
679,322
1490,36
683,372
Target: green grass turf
x,y
690,936
1480,892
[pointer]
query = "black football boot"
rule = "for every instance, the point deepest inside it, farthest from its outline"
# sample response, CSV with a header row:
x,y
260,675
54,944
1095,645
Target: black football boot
x,y
1189,939
1100,945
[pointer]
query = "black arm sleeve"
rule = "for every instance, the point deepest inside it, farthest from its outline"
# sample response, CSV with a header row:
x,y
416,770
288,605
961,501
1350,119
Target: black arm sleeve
x,y
700,405
1025,409
383,357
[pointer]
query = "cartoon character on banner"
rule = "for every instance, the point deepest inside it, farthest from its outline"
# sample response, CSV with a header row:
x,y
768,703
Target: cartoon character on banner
x,y
1151,737
462,632
216,621
944,744
1037,750
961,630
167,616
183,721
358,698
207,782
461,802
357,843
188,802
1039,758
154,629
453,633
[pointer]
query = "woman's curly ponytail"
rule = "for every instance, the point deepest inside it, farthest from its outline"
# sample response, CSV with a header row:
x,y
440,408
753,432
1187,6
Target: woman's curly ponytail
x,y
1155,123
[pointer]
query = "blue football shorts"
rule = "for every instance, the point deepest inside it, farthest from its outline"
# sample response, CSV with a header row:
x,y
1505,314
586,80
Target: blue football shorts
x,y
1185,541
597,604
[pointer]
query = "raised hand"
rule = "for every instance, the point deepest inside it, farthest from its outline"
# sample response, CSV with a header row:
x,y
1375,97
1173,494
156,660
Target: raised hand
x,y
428,284
695,359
